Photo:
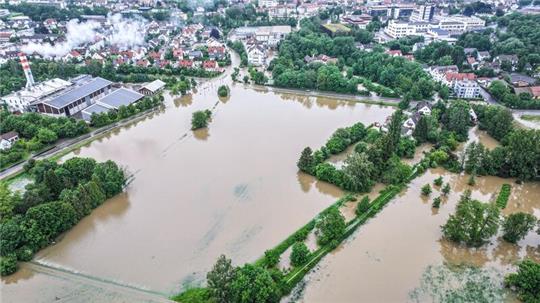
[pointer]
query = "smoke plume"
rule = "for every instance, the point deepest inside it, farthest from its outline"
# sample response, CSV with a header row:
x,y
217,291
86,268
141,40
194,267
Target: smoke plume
x,y
77,34
124,33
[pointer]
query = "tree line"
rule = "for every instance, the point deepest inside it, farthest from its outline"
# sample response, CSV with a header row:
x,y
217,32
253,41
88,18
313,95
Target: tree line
x,y
289,69
112,116
36,131
376,157
59,197
519,153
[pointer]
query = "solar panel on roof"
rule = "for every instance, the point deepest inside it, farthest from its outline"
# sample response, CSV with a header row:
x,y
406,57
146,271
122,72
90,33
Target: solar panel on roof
x,y
78,92
121,97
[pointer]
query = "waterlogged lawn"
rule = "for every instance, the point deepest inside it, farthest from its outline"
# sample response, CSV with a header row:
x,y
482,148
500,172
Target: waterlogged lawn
x,y
442,283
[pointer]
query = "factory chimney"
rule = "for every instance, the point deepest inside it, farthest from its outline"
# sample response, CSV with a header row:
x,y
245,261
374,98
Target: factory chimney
x,y
27,71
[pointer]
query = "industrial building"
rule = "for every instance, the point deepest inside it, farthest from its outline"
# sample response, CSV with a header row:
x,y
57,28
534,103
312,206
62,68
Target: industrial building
x,y
112,101
59,97
72,100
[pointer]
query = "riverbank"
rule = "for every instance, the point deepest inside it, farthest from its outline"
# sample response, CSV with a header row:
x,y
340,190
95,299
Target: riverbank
x,y
343,97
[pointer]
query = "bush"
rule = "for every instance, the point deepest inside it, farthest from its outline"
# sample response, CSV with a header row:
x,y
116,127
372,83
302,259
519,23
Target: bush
x,y
299,254
271,257
223,91
446,189
438,181
436,202
516,226
200,119
504,195
8,265
362,206
526,282
426,190
330,227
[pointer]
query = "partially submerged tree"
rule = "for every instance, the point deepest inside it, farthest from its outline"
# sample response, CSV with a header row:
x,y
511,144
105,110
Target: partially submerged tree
x,y
517,225
473,223
220,279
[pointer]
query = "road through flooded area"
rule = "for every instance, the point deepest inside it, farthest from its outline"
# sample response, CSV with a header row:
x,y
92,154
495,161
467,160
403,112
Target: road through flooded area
x,y
400,256
232,189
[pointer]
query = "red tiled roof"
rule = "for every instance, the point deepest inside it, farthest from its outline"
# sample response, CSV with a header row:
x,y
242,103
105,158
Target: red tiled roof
x,y
460,76
535,91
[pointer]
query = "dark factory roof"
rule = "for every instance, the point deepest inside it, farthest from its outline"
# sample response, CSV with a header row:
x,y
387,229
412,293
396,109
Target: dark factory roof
x,y
121,97
78,92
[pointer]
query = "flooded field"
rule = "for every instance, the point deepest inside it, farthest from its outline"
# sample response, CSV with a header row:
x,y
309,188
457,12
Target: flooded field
x,y
232,188
397,256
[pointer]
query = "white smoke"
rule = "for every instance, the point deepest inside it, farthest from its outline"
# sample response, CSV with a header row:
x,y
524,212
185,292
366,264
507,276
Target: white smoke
x,y
124,33
77,34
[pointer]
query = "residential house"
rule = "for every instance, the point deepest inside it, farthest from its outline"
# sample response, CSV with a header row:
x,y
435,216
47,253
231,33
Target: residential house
x,y
520,80
256,55
152,87
7,139
463,85
513,60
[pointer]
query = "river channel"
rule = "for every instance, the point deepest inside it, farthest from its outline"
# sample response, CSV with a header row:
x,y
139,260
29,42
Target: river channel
x,y
230,189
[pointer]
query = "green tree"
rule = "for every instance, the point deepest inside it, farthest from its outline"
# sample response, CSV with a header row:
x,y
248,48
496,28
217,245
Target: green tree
x,y
426,190
300,254
109,177
253,284
306,161
473,223
526,282
46,136
517,225
11,236
330,227
362,206
8,265
497,121
271,257
446,189
438,181
523,153
220,280
498,89
200,119
8,201
358,172
223,91
436,202
457,119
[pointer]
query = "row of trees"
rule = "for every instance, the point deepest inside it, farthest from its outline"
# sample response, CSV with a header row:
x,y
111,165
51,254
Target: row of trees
x,y
519,155
112,116
35,132
60,196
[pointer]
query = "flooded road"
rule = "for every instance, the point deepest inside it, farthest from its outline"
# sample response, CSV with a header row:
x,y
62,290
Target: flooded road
x,y
385,260
232,188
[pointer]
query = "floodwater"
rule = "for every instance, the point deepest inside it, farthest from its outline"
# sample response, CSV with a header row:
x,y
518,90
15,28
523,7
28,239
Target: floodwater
x,y
384,261
232,189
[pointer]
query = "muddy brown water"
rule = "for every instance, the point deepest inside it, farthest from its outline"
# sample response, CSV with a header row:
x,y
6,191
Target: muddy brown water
x,y
385,259
230,189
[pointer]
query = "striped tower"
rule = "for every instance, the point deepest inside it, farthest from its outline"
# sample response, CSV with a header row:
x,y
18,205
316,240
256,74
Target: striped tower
x,y
27,71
